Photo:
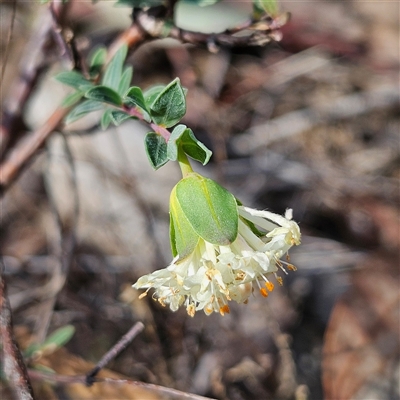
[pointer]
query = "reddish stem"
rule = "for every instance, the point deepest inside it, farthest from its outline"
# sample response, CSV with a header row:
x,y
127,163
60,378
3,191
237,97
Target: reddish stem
x,y
165,133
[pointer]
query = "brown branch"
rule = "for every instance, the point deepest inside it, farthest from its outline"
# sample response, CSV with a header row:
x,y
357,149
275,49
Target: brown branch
x,y
132,37
67,380
12,166
13,364
23,153
31,67
253,33
114,351
63,244
9,38
59,35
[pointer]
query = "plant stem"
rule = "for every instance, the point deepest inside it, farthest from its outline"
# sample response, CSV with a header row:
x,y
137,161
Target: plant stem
x,y
184,163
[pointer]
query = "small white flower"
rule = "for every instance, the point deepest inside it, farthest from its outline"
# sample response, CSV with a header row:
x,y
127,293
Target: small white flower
x,y
212,275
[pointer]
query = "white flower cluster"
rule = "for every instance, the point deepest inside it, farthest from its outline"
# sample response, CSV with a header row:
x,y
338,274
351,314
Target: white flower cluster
x,y
212,275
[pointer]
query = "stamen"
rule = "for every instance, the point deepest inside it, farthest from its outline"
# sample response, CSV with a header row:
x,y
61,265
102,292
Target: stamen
x,y
280,263
224,309
264,292
279,280
208,309
191,310
161,301
270,286
144,294
292,267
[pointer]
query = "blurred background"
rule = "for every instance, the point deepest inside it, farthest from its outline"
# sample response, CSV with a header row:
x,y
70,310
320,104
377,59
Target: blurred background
x,y
309,123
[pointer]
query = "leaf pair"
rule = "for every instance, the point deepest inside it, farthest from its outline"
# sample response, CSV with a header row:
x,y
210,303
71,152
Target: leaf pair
x,y
182,138
201,208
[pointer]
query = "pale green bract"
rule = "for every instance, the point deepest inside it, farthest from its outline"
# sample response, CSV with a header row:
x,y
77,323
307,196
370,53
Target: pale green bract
x,y
214,274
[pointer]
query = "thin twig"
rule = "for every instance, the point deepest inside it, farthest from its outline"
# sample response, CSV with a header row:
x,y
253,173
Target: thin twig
x,y
13,364
64,252
12,166
133,37
257,33
9,38
32,65
67,380
114,351
74,179
19,157
64,246
59,37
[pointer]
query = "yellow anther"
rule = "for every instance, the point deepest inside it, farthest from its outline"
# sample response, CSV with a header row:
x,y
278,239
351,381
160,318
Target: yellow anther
x,y
191,310
161,301
270,286
264,292
208,309
224,309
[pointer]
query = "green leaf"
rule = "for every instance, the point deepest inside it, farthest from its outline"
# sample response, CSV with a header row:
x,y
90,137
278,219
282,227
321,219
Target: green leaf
x,y
106,119
74,79
210,209
268,6
71,99
172,236
118,117
82,109
105,95
156,149
60,336
125,81
97,60
151,94
184,138
169,106
182,236
113,73
56,340
43,368
139,3
134,97
202,3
